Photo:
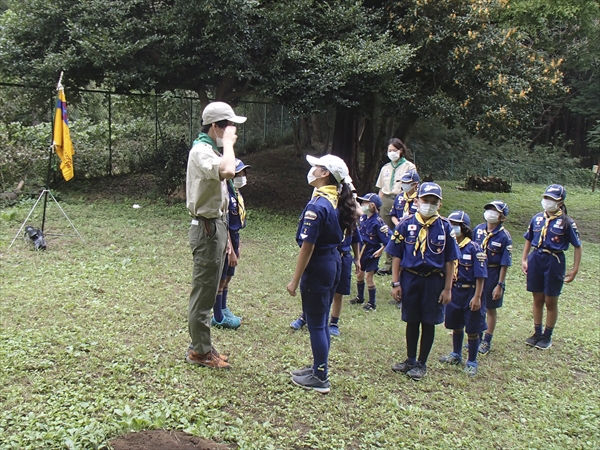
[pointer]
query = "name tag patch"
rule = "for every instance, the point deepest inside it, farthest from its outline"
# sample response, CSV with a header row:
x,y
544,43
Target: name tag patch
x,y
496,244
441,237
467,257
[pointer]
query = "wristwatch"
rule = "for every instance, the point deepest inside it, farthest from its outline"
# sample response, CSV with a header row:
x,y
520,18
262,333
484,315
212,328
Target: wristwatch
x,y
502,285
395,284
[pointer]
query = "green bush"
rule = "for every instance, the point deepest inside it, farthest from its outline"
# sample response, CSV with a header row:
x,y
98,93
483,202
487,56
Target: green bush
x,y
454,155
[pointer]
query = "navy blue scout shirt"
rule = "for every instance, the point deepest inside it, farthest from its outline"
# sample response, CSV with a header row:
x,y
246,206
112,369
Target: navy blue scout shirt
x,y
400,205
560,232
498,246
354,238
440,246
237,214
472,263
374,232
319,225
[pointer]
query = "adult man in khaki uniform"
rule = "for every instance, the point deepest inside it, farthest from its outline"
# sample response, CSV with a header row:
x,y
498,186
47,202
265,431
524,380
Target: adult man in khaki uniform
x,y
207,202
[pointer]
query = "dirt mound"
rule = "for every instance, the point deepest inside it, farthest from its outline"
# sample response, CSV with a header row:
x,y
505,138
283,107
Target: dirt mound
x,y
164,440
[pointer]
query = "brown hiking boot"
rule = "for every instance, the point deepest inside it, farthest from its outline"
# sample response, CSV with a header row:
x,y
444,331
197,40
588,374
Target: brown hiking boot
x,y
213,351
206,360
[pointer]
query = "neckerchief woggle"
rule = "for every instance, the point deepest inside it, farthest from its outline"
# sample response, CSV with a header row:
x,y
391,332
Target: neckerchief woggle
x,y
423,233
394,167
549,218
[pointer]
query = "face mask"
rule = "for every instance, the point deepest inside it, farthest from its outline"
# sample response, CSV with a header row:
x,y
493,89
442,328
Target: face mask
x,y
491,216
239,182
311,175
427,209
550,206
219,142
365,209
407,187
456,229
394,156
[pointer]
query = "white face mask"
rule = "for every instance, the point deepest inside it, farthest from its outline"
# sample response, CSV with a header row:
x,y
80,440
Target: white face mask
x,y
491,216
456,229
394,156
427,209
406,187
311,175
550,206
239,182
219,142
365,209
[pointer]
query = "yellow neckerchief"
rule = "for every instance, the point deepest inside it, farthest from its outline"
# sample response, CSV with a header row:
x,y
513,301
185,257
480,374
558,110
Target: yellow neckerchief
x,y
408,200
240,202
461,244
549,218
423,232
489,235
330,192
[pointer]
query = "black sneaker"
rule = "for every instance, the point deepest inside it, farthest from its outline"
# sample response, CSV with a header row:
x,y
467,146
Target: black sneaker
x,y
533,339
403,366
382,272
369,306
311,381
417,372
544,343
356,301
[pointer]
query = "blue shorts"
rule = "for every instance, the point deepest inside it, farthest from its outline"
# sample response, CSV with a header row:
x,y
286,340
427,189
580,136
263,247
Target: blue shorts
x,y
546,272
229,271
343,287
489,285
318,282
420,297
459,314
368,263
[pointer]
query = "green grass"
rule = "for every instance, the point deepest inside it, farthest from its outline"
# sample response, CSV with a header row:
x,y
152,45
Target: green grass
x,y
92,340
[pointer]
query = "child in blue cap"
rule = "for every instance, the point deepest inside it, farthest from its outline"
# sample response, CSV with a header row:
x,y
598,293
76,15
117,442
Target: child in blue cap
x,y
424,252
405,203
236,218
466,311
549,234
496,241
375,235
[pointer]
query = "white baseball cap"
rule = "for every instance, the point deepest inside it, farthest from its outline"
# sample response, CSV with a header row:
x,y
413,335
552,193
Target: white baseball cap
x,y
336,165
217,111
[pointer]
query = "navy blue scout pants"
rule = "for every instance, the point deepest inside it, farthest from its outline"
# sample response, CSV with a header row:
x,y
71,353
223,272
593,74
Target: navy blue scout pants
x,y
317,287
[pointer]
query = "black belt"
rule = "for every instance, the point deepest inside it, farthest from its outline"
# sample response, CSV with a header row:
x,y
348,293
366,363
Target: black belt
x,y
552,252
464,286
493,265
424,274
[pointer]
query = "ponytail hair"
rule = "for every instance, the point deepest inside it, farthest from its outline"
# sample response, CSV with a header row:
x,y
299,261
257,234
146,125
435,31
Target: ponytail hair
x,y
348,213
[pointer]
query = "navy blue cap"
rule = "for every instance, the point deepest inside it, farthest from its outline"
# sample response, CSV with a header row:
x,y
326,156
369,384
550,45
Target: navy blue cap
x,y
499,206
239,165
429,188
460,217
556,192
410,176
371,197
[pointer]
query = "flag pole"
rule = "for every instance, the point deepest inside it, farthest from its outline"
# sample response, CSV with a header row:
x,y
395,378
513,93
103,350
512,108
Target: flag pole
x,y
49,172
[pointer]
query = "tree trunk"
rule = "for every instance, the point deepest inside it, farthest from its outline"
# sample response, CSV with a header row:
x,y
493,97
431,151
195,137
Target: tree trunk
x,y
344,139
316,127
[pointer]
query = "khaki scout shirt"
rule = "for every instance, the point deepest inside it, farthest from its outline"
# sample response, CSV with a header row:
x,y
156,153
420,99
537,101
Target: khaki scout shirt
x,y
389,177
206,193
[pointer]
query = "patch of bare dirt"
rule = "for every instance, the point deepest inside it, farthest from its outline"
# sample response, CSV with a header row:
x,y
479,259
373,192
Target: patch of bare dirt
x,y
164,440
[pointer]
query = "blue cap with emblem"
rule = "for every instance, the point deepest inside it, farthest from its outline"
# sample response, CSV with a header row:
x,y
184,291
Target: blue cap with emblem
x,y
410,176
556,192
429,188
239,165
499,206
371,197
460,217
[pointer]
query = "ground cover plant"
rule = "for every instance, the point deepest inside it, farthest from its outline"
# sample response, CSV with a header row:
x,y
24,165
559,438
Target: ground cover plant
x,y
92,337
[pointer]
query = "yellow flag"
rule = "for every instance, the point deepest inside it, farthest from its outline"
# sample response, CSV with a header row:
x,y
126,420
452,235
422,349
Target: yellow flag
x,y
62,138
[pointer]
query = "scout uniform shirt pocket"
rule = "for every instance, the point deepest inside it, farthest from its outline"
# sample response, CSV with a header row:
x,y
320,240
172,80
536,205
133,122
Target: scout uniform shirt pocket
x,y
437,243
